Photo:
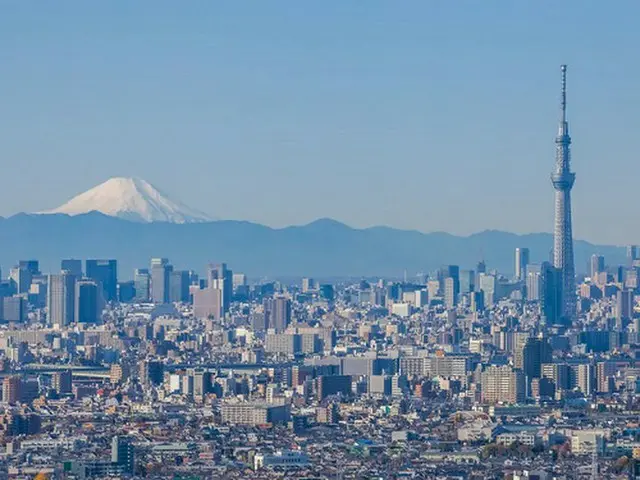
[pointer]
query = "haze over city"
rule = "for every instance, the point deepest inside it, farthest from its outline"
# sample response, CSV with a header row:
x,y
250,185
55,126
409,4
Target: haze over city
x,y
190,285
427,116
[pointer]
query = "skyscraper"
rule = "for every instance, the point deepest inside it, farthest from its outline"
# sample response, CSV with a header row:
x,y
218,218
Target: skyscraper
x,y
522,260
179,286
105,274
61,298
32,266
21,276
277,312
160,272
87,303
597,266
632,254
221,277
551,297
563,179
142,284
73,266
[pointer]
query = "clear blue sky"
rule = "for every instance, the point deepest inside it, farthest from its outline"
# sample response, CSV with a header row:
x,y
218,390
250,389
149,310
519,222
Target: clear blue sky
x,y
429,115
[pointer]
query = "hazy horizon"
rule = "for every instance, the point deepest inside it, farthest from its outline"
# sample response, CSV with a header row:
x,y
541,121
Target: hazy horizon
x,y
428,117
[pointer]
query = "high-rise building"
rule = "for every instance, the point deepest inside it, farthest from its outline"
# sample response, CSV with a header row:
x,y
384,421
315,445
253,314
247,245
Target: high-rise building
x,y
122,454
563,180
597,266
585,378
488,285
13,309
32,266
219,276
277,313
142,284
450,298
73,266
467,281
21,277
179,286
632,254
453,272
160,274
87,302
503,384
151,372
207,303
624,307
11,389
61,298
522,260
534,282
239,280
62,382
534,353
551,284
105,274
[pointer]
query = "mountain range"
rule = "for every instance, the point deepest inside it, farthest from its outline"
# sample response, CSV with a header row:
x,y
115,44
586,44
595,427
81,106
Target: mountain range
x,y
324,248
131,220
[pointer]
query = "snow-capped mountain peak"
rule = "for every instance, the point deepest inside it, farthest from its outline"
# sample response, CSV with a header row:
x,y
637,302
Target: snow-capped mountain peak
x,y
131,199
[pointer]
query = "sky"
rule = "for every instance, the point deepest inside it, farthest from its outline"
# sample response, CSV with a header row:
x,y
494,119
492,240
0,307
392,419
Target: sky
x,y
426,115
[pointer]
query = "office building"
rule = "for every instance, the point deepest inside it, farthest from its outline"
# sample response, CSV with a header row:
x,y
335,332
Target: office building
x,y
327,385
160,275
32,266
87,302
467,281
535,352
551,298
522,260
277,313
14,309
207,303
61,298
488,285
72,266
219,276
142,285
239,280
450,297
597,266
533,284
624,308
179,286
126,291
632,254
21,277
105,274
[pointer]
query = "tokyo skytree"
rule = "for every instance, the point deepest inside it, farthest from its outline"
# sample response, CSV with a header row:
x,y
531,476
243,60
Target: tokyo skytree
x,y
563,179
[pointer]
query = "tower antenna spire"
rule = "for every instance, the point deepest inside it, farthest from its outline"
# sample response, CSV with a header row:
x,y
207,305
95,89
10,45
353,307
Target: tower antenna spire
x,y
563,105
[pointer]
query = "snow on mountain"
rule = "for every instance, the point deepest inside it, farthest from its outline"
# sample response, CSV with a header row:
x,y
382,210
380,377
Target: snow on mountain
x,y
131,199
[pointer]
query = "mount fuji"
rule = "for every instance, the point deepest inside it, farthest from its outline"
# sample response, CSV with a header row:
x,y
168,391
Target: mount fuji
x,y
131,199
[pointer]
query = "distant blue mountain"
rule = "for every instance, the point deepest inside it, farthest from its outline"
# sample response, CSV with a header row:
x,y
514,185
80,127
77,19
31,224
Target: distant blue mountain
x,y
324,248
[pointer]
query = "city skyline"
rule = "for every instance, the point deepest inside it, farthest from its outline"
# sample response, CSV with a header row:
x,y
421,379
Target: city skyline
x,y
372,111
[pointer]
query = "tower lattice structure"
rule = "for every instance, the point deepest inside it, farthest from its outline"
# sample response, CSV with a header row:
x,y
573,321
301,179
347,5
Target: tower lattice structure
x,y
563,180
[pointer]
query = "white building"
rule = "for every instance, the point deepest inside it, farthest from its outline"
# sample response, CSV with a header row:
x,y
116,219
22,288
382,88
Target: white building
x,y
286,459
